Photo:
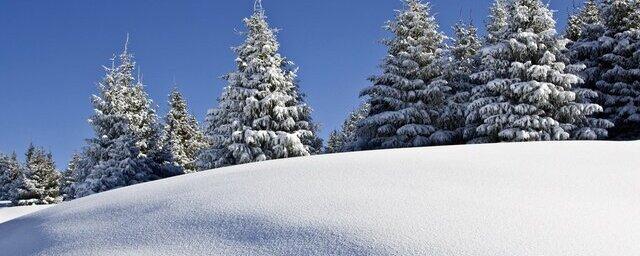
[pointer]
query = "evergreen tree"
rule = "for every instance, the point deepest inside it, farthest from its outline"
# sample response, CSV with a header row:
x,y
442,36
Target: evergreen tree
x,y
532,100
126,149
261,114
619,67
336,142
497,22
68,178
38,183
182,135
407,99
462,63
9,172
584,49
490,67
343,140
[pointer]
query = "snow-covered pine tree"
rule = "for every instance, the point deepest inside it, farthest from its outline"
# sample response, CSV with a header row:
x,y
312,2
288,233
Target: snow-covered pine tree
x,y
343,140
219,125
584,30
68,178
532,100
490,67
38,183
182,135
462,63
586,19
9,172
619,83
584,50
407,99
261,114
497,22
335,143
126,149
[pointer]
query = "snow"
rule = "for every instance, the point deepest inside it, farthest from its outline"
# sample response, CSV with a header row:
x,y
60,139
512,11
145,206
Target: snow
x,y
10,213
549,198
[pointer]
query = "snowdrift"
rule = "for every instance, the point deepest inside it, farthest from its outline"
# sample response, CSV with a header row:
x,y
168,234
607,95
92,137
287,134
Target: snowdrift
x,y
568,198
9,213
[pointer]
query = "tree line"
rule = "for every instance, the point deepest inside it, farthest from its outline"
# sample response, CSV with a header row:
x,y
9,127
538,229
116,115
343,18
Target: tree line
x,y
521,82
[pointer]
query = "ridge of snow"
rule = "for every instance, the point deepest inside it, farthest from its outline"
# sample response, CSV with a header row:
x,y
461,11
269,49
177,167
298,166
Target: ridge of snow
x,y
551,198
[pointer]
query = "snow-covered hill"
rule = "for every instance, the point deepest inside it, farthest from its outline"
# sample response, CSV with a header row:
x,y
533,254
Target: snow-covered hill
x,y
9,213
569,198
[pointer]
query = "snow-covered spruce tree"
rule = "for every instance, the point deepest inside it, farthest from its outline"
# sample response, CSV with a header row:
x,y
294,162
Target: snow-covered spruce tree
x,y
490,67
343,140
497,22
335,143
586,20
619,63
585,29
9,172
126,149
462,63
532,100
38,183
68,178
182,135
407,99
261,114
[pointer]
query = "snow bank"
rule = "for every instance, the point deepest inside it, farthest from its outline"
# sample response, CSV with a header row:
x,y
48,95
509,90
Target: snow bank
x,y
10,213
569,198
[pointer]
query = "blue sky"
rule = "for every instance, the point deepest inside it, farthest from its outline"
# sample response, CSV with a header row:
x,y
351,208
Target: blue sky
x,y
52,53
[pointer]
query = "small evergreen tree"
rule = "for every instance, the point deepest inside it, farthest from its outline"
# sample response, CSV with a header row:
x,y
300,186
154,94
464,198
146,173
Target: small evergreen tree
x,y
261,114
68,178
182,135
587,19
126,149
9,172
532,100
38,183
619,66
497,22
343,140
407,99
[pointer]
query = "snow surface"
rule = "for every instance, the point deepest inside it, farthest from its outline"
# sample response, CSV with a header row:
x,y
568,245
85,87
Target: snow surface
x,y
10,213
568,198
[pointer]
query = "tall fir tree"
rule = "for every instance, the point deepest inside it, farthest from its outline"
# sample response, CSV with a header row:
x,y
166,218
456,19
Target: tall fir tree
x,y
261,114
10,170
462,63
582,24
497,22
619,64
182,135
38,183
407,99
126,149
343,139
584,31
532,99
490,67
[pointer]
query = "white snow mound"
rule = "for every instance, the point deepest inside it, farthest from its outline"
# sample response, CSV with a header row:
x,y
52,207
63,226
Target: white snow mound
x,y
9,213
567,198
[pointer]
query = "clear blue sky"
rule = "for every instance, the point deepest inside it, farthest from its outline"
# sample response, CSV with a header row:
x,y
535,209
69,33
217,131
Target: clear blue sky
x,y
52,52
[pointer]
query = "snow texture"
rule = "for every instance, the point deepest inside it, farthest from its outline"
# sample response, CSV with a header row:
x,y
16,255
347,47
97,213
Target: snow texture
x,y
10,213
545,198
